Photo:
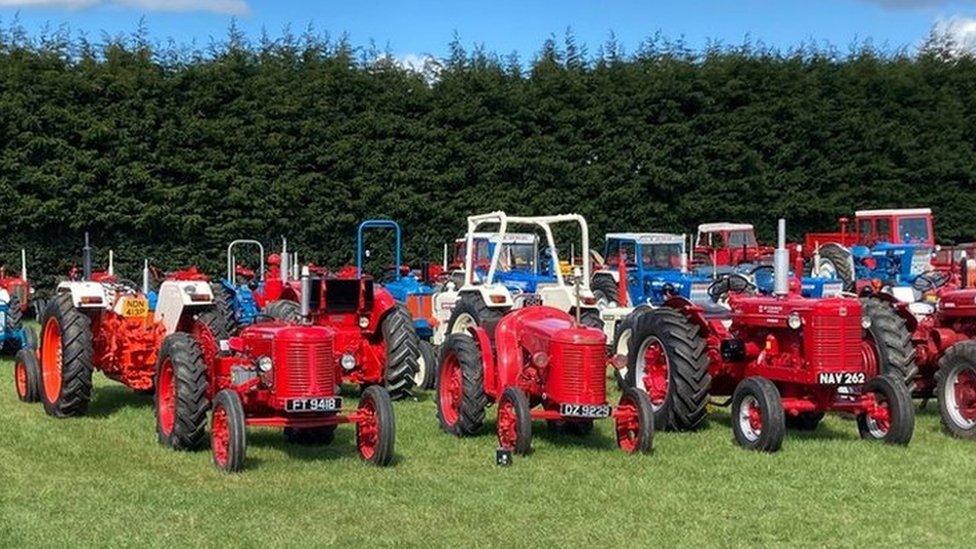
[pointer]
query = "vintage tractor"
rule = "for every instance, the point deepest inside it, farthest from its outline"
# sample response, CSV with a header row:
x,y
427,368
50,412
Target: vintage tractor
x,y
244,293
271,374
727,245
538,363
101,322
410,290
785,360
15,295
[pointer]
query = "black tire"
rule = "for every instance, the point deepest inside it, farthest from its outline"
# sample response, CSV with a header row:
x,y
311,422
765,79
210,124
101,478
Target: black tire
x,y
13,323
522,443
471,407
605,289
805,421
641,440
589,318
900,409
893,341
426,376
683,408
957,360
31,336
75,338
38,304
215,322
284,309
765,396
841,260
228,403
181,367
472,305
224,306
621,342
27,376
382,404
402,352
311,436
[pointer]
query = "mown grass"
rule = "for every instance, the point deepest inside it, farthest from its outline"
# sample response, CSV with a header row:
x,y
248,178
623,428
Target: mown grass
x,y
103,480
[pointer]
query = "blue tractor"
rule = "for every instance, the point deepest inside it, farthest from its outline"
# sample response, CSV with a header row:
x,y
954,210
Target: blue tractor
x,y
413,292
15,294
522,265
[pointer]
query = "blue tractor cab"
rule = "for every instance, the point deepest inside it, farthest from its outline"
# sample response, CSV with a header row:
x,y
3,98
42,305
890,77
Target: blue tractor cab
x,y
522,267
238,303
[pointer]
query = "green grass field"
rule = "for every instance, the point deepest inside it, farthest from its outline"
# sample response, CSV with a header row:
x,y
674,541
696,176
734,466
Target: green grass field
x,y
103,480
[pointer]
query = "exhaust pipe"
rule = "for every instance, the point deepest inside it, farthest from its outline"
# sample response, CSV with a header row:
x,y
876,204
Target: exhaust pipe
x,y
306,291
86,265
285,261
145,277
23,264
111,263
781,263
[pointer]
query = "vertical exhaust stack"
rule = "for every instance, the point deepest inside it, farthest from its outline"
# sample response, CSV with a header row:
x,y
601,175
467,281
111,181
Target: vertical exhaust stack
x,y
306,291
444,264
23,264
684,256
145,276
285,261
781,263
86,265
111,263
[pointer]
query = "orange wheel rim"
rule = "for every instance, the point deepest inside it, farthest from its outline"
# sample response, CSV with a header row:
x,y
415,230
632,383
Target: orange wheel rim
x,y
20,378
166,398
51,360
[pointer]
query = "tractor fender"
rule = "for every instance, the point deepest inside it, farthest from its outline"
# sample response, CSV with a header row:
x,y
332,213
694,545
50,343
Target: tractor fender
x,y
178,296
85,295
610,273
564,297
383,304
494,296
859,253
693,312
490,377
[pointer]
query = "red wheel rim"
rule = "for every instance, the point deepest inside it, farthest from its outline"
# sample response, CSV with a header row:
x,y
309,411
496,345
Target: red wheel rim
x,y
964,391
166,398
507,425
220,434
20,378
367,430
654,376
869,356
450,389
879,416
51,360
628,425
749,417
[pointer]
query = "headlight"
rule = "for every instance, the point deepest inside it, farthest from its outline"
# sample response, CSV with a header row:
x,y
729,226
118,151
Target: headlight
x,y
265,364
364,322
190,289
865,322
348,362
794,321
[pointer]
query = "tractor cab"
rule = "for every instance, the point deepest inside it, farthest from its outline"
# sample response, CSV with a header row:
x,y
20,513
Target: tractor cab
x,y
656,265
727,244
521,264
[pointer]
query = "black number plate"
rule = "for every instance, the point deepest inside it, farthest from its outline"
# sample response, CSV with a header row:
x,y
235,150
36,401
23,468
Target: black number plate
x,y
325,404
584,410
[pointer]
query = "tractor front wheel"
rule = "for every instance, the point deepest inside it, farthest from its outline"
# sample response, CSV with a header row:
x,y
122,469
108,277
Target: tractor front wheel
x,y
514,422
635,422
426,367
66,359
956,389
181,393
891,418
376,430
402,352
228,432
757,415
27,376
460,395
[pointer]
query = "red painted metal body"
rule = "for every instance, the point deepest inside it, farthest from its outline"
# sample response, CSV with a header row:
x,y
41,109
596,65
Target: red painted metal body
x,y
869,230
125,347
16,285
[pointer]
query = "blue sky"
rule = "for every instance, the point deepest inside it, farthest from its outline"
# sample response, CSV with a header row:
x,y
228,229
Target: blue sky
x,y
425,27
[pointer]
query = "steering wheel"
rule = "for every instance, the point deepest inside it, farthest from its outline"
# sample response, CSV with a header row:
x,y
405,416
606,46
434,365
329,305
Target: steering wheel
x,y
733,282
930,281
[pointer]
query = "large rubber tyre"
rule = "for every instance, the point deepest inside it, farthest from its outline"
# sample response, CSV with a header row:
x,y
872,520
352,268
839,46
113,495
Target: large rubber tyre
x,y
31,336
38,304
636,435
842,263
224,306
181,402
514,422
890,390
622,333
214,321
956,389
284,309
893,342
460,395
376,436
682,406
402,352
13,323
605,290
765,432
470,309
27,376
228,432
589,318
426,375
309,436
66,359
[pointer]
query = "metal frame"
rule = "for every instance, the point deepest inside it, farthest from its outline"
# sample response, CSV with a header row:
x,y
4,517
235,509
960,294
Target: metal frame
x,y
232,262
377,224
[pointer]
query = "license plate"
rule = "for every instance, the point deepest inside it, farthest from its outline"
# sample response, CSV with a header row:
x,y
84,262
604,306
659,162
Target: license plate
x,y
584,410
326,404
135,306
841,378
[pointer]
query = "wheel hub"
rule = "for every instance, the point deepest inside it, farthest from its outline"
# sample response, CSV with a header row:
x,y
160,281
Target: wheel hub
x,y
961,393
654,371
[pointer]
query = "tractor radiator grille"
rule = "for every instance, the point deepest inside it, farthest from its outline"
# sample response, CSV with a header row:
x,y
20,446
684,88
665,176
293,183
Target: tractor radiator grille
x,y
577,374
834,340
308,370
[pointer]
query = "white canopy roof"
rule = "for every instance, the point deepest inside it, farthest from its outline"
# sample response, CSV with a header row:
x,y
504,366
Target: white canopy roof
x,y
893,211
716,227
649,238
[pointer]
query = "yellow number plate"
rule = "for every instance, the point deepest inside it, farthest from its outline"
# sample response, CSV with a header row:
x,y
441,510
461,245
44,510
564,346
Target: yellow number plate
x,y
135,306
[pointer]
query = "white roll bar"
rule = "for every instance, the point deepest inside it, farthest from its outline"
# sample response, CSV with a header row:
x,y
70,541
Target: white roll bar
x,y
231,260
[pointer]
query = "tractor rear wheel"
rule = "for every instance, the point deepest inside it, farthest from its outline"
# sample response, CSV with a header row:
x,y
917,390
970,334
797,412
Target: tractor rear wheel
x,y
605,290
589,318
13,324
893,419
806,421
376,433
838,262
460,395
470,311
667,359
284,309
620,345
757,415
890,340
66,359
514,422
27,376
224,306
228,432
181,402
402,352
956,389
323,435
635,422
426,367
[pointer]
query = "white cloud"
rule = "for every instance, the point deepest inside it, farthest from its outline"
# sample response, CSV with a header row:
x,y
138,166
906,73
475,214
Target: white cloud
x,y
230,7
959,32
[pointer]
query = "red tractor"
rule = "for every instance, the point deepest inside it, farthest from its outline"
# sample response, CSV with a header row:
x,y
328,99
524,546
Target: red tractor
x,y
271,374
728,244
542,364
784,359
